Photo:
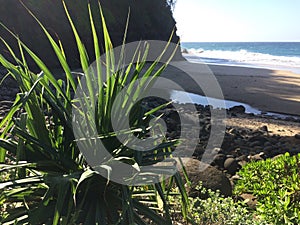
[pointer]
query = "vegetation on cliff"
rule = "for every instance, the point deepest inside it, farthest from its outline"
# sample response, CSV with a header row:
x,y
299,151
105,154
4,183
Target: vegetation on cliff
x,y
149,20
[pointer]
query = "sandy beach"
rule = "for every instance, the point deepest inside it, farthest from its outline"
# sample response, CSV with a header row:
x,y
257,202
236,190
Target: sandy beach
x,y
264,89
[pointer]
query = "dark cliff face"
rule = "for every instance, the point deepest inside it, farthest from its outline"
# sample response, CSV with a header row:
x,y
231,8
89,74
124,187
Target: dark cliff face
x,y
149,20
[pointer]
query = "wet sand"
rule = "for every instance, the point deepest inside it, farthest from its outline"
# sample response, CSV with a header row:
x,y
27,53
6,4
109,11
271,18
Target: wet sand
x,y
264,89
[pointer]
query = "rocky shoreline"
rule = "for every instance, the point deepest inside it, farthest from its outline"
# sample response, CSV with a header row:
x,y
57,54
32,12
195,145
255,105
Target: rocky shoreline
x,y
247,137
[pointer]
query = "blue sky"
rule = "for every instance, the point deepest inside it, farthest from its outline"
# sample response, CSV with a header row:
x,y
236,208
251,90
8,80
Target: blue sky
x,y
238,20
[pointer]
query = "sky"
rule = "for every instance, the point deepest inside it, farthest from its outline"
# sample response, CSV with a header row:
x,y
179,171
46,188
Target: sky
x,y
237,20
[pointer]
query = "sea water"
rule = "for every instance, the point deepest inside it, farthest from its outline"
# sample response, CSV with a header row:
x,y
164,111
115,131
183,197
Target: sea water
x,y
271,55
186,97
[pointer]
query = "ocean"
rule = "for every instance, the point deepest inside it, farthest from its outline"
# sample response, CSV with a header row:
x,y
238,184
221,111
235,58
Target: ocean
x,y
271,55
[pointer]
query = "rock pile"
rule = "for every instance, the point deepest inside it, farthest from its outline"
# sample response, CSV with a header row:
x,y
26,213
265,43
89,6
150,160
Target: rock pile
x,y
240,145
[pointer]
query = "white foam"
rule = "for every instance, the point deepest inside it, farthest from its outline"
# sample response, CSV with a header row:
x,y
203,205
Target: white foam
x,y
244,57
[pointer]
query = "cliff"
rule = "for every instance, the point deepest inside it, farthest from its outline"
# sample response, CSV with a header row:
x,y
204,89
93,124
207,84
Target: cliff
x,y
149,20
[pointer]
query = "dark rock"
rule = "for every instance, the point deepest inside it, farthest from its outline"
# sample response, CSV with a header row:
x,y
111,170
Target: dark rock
x,y
231,165
258,148
258,137
237,150
267,143
255,143
210,177
239,141
264,128
237,109
289,118
227,144
278,144
244,150
268,149
233,114
294,150
219,160
297,136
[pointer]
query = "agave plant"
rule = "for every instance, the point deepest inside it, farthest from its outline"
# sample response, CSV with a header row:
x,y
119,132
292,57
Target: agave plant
x,y
45,178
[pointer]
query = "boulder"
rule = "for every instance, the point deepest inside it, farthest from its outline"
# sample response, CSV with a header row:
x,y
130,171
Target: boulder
x,y
231,165
219,160
237,109
210,177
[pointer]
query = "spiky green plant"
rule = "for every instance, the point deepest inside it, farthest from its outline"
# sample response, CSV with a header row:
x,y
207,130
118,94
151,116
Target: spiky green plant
x,y
47,179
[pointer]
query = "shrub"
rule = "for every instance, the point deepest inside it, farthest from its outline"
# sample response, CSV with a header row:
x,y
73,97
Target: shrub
x,y
219,210
50,181
276,184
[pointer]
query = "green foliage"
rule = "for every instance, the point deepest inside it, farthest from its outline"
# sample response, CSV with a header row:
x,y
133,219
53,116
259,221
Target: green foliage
x,y
149,20
50,182
219,210
276,184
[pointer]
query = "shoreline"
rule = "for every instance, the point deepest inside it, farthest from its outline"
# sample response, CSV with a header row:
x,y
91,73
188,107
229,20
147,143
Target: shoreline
x,y
295,70
267,90
202,100
273,91
262,66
